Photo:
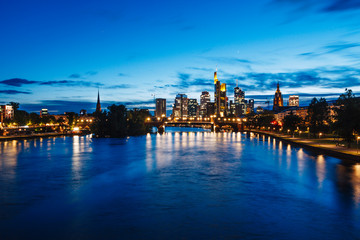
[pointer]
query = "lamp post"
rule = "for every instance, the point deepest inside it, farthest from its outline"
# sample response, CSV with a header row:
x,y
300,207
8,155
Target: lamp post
x,y
357,144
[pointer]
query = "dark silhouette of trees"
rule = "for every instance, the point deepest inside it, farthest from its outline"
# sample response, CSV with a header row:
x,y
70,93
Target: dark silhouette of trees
x,y
119,122
347,116
136,123
318,116
292,122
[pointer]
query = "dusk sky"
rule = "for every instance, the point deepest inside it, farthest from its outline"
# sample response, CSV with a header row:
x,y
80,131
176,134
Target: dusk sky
x,y
56,54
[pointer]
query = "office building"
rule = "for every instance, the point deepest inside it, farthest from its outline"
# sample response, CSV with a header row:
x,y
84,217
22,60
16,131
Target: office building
x,y
180,108
204,99
193,108
160,109
220,97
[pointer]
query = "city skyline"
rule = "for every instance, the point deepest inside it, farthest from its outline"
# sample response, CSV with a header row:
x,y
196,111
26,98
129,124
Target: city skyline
x,y
57,56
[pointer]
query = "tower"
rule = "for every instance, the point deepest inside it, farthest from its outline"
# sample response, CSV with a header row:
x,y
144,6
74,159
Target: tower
x,y
278,99
98,105
220,97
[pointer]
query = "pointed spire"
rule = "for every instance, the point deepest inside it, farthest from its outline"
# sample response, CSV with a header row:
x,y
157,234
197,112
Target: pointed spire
x,y
278,86
98,105
215,76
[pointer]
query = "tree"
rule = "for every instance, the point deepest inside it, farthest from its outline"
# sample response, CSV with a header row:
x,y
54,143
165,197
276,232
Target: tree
x,y
292,122
347,119
318,115
72,118
15,105
136,123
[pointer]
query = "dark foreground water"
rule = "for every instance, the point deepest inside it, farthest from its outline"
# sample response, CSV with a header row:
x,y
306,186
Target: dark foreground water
x,y
195,185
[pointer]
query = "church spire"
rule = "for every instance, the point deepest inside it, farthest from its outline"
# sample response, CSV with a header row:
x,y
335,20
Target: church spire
x,y
278,86
215,76
98,105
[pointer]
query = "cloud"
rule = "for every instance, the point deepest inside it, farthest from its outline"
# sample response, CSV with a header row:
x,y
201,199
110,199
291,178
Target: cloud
x,y
342,5
17,82
13,92
121,86
122,75
75,75
340,47
320,5
71,83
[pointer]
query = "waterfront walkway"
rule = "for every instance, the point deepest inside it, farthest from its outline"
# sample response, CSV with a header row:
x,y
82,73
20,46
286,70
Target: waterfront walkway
x,y
21,137
329,146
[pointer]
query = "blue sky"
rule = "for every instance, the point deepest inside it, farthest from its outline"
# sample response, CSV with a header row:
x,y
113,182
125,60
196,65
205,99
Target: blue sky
x,y
56,54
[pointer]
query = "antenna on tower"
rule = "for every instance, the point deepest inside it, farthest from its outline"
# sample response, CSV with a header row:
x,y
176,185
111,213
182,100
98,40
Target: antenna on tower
x,y
237,82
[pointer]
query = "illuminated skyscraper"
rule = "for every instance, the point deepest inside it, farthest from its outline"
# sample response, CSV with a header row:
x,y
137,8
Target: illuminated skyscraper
x,y
193,108
278,99
220,97
160,110
204,100
180,108
239,99
98,105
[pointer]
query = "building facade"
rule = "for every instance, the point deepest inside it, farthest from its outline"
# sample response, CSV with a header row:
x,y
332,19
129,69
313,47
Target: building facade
x,y
204,100
193,108
293,101
6,112
180,108
160,108
220,97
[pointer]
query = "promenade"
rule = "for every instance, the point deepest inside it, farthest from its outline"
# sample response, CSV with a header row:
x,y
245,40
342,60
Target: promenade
x,y
324,145
21,137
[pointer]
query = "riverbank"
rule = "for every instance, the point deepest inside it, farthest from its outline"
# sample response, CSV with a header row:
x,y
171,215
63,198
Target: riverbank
x,y
22,137
323,146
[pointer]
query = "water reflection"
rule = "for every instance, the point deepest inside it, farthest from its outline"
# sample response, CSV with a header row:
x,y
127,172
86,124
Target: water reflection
x,y
181,182
320,170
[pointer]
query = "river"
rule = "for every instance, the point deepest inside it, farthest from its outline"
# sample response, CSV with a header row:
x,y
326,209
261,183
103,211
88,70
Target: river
x,y
178,185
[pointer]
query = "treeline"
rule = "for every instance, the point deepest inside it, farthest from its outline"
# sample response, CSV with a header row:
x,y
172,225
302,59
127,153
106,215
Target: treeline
x,y
342,119
117,121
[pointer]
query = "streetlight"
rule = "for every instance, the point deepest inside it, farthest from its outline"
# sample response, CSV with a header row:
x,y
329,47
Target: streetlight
x,y
357,144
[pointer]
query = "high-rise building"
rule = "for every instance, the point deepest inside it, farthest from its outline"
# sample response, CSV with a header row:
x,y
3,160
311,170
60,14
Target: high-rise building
x,y
180,108
160,110
204,99
232,108
239,99
98,105
293,101
210,109
220,97
278,99
193,109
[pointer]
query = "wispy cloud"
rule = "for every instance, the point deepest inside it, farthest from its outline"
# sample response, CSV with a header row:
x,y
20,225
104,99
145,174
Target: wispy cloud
x,y
75,75
13,92
71,83
17,82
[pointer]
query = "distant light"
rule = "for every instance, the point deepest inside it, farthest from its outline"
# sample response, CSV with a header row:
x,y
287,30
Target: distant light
x,y
76,128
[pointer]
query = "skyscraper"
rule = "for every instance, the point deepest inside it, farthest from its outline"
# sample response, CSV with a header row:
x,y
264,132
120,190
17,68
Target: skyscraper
x,y
180,108
293,101
98,105
204,99
278,99
160,110
193,109
239,100
220,97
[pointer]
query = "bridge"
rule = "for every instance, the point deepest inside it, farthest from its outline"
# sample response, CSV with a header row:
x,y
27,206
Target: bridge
x,y
213,122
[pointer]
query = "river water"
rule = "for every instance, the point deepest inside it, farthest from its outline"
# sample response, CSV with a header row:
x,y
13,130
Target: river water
x,y
179,185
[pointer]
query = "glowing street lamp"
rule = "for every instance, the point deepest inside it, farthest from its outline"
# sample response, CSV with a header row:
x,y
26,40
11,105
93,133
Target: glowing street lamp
x,y
357,144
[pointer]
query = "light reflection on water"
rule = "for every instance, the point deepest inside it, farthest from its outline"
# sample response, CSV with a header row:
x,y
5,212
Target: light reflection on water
x,y
185,182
